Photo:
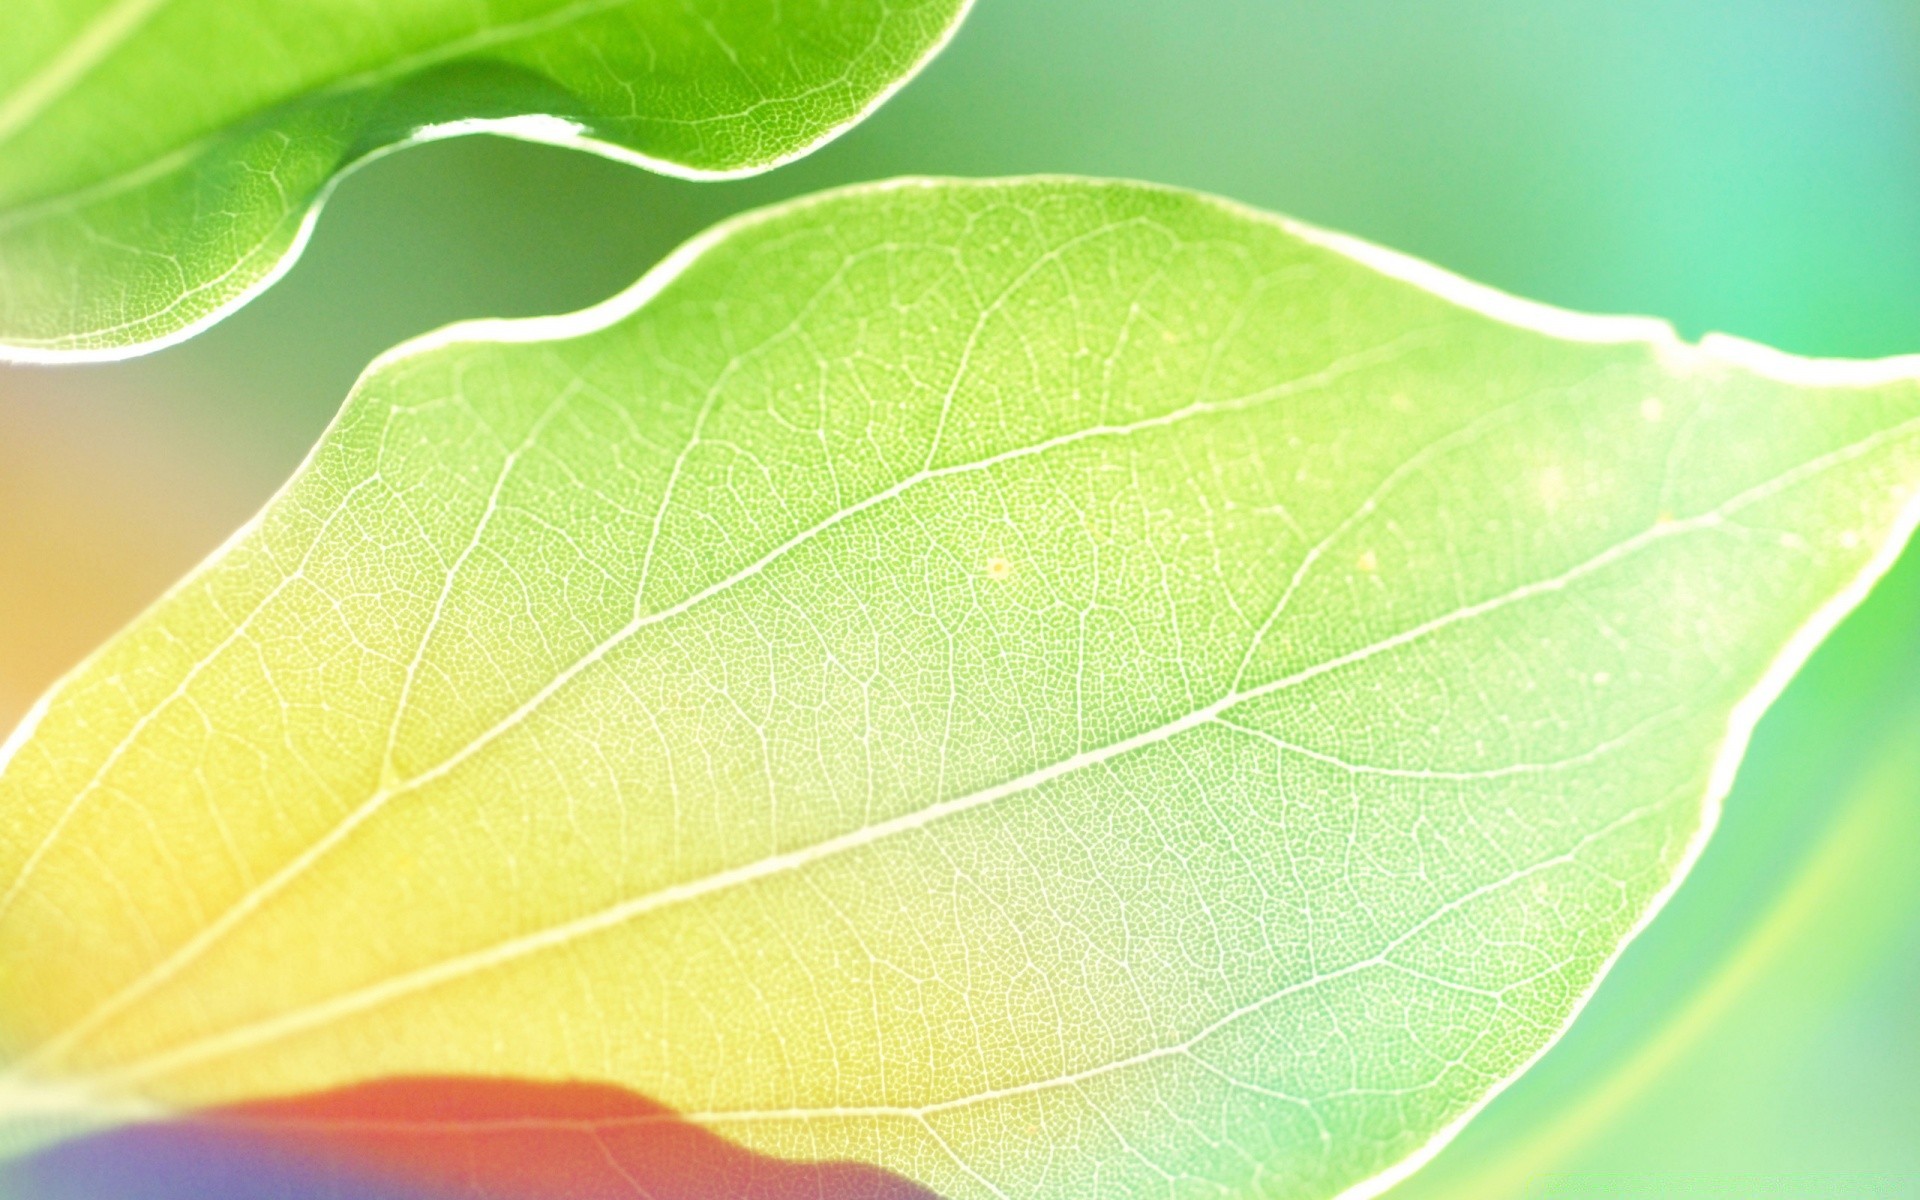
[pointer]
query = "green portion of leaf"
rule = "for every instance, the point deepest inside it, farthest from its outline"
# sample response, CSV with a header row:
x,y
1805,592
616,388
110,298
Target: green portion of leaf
x,y
1055,688
162,160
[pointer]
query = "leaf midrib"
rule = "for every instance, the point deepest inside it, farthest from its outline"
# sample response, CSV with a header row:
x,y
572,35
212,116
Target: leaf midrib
x,y
189,951
350,1003
106,32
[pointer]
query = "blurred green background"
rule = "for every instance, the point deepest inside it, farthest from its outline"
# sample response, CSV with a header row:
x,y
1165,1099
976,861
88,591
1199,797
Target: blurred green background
x,y
1751,167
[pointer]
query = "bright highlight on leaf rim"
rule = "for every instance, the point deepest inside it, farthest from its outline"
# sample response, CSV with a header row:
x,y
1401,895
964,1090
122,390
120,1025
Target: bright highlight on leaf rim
x,y
539,128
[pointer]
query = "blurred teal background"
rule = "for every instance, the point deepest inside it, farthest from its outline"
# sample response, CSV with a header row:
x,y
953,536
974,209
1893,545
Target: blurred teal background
x,y
1751,167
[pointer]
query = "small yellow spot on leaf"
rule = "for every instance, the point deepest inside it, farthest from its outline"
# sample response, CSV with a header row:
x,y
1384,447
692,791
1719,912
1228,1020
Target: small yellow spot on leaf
x,y
1368,561
998,568
1553,487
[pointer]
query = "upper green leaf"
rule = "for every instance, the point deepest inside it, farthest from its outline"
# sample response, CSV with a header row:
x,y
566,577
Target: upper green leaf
x,y
162,160
1058,689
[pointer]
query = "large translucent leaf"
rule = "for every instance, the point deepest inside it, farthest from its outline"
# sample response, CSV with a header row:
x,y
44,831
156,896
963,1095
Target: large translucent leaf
x,y
1049,688
163,160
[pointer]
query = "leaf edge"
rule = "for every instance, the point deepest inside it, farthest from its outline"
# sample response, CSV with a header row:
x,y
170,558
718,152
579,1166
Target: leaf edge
x,y
543,129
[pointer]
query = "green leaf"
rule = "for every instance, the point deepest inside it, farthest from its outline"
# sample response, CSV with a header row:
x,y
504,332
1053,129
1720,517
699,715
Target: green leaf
x,y
1053,688
162,161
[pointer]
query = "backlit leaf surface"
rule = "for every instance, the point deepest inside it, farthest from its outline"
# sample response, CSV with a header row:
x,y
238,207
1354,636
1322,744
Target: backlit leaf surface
x,y
1050,688
162,160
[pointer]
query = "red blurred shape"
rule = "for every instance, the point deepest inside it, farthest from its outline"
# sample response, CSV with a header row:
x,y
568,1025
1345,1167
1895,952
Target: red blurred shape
x,y
436,1139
